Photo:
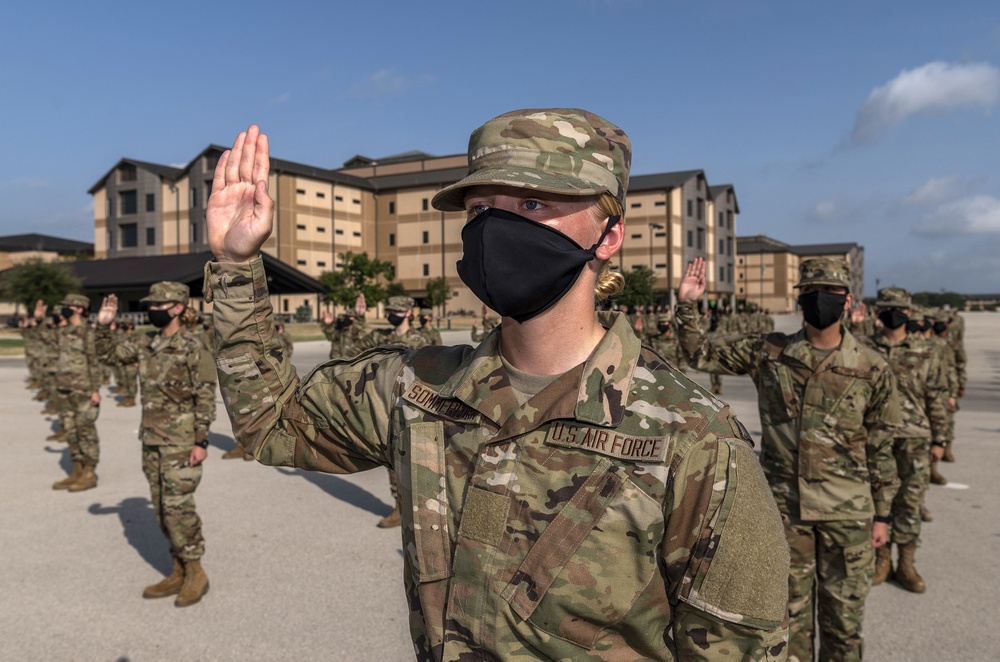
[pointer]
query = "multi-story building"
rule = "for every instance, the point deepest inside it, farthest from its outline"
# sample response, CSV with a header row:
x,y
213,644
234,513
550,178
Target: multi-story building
x,y
382,207
767,270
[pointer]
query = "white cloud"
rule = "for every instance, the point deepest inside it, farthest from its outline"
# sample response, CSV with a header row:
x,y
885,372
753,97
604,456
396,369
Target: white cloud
x,y
934,190
279,100
384,82
936,88
977,215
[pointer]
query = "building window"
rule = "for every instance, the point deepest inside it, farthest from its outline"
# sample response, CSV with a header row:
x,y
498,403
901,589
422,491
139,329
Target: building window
x,y
661,265
211,160
392,207
729,220
741,260
300,191
423,204
701,209
729,246
701,238
320,228
427,270
194,196
338,232
392,239
111,206
150,236
301,263
426,237
690,238
129,235
722,247
127,173
741,290
729,273
660,203
321,264
320,195
722,274
284,305
129,202
150,202
194,233
722,219
338,198
635,205
356,234
637,236
300,227
690,207
355,201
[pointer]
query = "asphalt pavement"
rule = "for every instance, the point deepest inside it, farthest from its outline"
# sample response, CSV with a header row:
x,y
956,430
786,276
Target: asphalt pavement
x,y
299,571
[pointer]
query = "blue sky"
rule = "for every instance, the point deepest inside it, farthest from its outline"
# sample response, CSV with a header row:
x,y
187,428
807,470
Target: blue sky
x,y
872,122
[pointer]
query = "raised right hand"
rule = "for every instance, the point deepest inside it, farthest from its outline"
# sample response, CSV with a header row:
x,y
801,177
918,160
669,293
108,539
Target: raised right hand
x,y
40,309
240,211
692,286
327,317
109,309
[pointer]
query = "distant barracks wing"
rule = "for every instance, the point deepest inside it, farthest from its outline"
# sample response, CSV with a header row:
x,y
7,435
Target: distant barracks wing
x,y
598,521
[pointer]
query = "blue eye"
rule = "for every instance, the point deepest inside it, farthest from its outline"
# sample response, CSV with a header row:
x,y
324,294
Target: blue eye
x,y
476,210
533,205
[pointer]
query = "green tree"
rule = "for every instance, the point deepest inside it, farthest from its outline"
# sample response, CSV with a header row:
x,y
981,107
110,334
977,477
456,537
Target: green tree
x,y
30,281
939,299
638,288
360,274
438,292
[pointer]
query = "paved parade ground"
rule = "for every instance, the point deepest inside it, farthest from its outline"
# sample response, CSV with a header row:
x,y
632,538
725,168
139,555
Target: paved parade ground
x,y
299,571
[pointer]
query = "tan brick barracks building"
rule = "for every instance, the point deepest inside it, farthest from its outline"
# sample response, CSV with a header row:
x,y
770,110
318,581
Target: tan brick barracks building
x,y
382,207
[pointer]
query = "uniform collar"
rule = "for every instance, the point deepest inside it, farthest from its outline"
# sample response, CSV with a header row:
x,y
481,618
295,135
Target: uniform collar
x,y
595,391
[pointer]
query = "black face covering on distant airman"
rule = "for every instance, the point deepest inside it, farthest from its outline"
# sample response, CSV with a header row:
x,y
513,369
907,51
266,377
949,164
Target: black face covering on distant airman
x,y
893,318
519,267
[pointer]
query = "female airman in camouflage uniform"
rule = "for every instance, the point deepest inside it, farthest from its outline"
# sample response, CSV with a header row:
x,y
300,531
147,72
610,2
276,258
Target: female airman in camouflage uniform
x,y
177,378
565,494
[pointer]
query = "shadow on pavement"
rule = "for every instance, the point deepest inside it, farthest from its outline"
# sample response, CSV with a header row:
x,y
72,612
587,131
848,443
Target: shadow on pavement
x,y
66,459
344,490
141,530
221,441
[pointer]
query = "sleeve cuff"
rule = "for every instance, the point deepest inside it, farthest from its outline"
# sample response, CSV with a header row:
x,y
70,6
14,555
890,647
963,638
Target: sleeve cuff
x,y
238,281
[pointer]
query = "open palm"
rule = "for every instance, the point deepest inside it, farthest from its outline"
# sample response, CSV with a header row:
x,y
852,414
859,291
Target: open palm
x,y
240,211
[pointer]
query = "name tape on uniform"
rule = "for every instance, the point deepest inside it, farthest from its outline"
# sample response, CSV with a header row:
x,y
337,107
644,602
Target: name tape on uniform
x,y
607,442
428,399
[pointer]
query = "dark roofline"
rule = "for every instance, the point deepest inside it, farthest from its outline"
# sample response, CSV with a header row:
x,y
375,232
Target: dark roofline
x,y
722,188
826,249
165,172
44,242
663,180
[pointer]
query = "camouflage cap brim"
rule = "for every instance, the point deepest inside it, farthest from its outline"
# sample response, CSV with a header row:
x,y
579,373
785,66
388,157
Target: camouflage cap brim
x,y
452,198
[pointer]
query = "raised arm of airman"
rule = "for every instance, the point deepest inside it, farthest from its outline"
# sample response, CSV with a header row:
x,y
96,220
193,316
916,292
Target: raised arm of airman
x,y
346,330
478,334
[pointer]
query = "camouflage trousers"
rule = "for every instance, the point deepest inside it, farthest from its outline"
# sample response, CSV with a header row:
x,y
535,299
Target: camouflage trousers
x,y
914,467
394,487
171,487
832,564
715,379
77,417
126,377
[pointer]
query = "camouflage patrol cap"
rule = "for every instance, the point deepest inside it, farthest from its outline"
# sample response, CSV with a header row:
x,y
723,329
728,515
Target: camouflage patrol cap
x,y
399,304
167,291
663,319
76,300
824,271
556,150
894,297
426,312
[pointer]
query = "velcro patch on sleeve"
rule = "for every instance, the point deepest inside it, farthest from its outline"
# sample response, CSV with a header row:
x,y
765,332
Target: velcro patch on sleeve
x,y
607,442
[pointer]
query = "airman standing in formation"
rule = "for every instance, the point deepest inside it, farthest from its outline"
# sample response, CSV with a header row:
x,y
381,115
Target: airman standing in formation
x,y
177,372
427,327
663,339
78,382
566,493
346,330
478,334
827,412
126,374
922,390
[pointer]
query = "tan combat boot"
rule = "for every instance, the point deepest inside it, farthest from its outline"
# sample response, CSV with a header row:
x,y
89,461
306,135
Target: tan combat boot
x,y
50,409
195,584
235,454
948,455
906,573
925,514
169,585
70,479
883,564
86,481
936,477
40,396
389,521
58,435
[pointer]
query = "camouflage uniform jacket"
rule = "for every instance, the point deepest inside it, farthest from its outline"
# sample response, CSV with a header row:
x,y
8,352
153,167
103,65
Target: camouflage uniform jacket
x,y
922,385
948,367
960,358
177,376
619,514
77,368
344,342
479,334
826,428
666,345
413,339
431,336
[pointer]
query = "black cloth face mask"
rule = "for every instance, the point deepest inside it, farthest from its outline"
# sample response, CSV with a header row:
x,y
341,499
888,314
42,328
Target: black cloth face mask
x,y
940,327
821,308
893,318
395,318
518,267
342,323
159,318
66,312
